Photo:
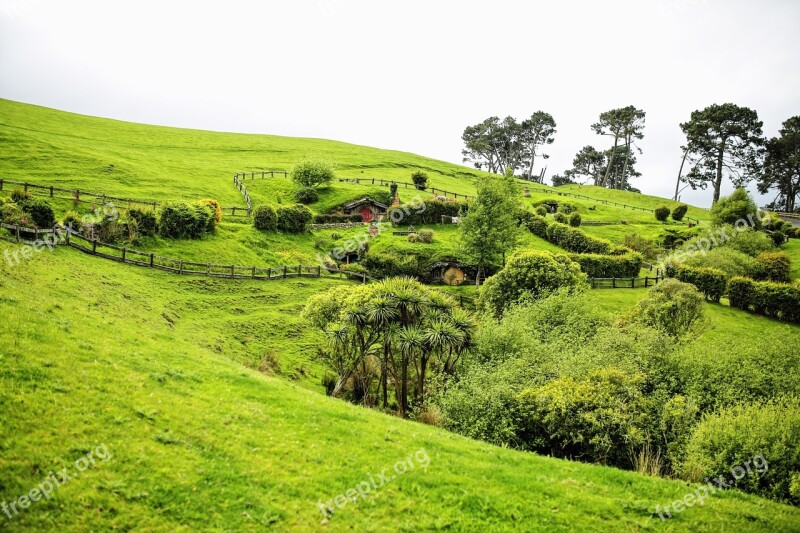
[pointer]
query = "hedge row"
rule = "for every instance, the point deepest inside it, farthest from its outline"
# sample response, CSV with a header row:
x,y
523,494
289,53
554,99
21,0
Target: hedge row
x,y
569,238
609,266
427,212
336,219
710,281
777,300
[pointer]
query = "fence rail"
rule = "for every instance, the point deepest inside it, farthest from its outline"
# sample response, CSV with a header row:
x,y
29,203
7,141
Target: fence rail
x,y
624,283
76,195
243,189
406,185
255,174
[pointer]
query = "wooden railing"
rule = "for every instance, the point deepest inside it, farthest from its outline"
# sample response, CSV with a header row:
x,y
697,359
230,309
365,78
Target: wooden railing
x,y
406,185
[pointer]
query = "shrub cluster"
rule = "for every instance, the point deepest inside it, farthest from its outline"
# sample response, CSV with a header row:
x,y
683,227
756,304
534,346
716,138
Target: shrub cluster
x,y
429,212
777,300
145,221
182,220
570,238
662,213
711,282
215,207
773,266
385,264
609,266
40,213
336,219
311,173
306,195
679,212
560,217
293,219
265,218
575,220
420,179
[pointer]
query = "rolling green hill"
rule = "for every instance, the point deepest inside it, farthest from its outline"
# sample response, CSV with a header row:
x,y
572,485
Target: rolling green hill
x,y
207,394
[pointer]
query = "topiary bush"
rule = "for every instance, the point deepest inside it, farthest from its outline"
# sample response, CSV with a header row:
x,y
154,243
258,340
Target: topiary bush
x,y
293,219
306,195
312,173
753,446
575,220
679,212
40,212
532,273
145,221
662,213
773,266
265,218
541,211
420,179
560,217
711,282
425,235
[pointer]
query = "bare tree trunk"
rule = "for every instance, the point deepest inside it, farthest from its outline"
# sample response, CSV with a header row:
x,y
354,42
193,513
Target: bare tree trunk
x,y
610,161
530,167
718,180
625,166
680,172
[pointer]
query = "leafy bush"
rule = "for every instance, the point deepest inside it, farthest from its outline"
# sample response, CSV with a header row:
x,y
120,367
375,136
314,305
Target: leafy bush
x,y
541,211
425,235
311,173
737,206
575,220
728,260
145,221
644,246
413,237
306,195
777,300
777,237
609,266
387,264
532,273
712,282
19,196
754,446
671,306
538,226
72,220
181,220
662,213
12,214
393,189
40,212
265,218
599,419
773,266
336,219
428,212
560,217
566,208
420,179
575,240
215,207
679,212
293,219
353,267
750,241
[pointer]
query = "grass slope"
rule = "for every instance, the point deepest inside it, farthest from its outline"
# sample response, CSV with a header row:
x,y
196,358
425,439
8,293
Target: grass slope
x,y
101,353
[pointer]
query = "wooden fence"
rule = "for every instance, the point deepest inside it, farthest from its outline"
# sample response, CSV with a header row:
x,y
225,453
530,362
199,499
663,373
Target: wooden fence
x,y
406,185
624,283
243,189
260,174
76,195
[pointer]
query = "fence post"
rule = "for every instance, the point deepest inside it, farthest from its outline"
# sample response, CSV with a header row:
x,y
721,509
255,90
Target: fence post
x,y
233,271
51,191
319,271
208,269
284,271
593,283
633,283
613,283
1,184
26,186
94,246
180,267
646,282
363,278
151,260
69,232
123,255
299,271
17,233
254,272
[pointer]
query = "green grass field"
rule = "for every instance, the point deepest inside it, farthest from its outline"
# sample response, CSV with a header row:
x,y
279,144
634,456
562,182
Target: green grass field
x,y
207,392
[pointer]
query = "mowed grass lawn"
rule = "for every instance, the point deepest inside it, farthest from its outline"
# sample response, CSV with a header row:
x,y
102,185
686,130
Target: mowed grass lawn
x,y
149,365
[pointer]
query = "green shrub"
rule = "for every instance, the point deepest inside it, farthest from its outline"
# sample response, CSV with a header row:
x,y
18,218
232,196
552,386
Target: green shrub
x,y
711,282
662,213
777,237
728,260
19,196
353,267
671,306
575,220
293,219
40,212
428,212
773,266
541,211
566,208
425,235
145,221
753,446
609,266
679,212
181,220
532,273
413,237
750,241
72,220
12,214
560,217
420,179
600,419
312,173
265,218
306,195
738,206
215,208
777,300
336,219
380,265
538,226
644,246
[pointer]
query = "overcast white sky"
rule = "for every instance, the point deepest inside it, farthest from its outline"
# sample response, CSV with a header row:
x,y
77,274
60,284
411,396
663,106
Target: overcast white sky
x,y
408,75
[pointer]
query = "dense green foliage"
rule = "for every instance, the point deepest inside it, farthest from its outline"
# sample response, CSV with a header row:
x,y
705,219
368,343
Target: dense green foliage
x,y
265,218
293,219
609,266
312,173
712,282
306,195
739,206
679,212
773,266
672,307
777,300
426,212
41,213
182,220
662,213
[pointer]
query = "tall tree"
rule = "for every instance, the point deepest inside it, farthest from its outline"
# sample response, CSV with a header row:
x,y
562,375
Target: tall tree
x,y
722,140
587,163
782,165
622,125
537,131
490,228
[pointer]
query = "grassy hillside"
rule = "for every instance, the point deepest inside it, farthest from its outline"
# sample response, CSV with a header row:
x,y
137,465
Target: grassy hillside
x,y
120,356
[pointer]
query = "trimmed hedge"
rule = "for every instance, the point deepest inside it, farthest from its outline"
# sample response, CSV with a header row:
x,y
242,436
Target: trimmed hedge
x,y
385,264
428,212
710,281
609,266
145,221
336,219
776,300
662,213
293,219
679,212
265,218
773,266
182,220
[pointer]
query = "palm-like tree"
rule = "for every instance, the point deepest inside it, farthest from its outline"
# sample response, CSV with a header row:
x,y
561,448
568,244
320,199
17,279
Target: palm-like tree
x,y
412,345
441,337
382,313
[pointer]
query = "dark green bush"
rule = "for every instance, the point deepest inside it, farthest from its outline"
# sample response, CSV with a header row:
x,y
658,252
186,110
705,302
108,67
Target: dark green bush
x,y
711,282
72,220
380,265
662,213
19,196
538,226
145,221
777,300
738,206
672,306
575,220
609,266
428,212
541,211
181,220
265,218
306,195
336,219
560,217
777,237
293,219
40,212
312,173
773,266
679,212
420,179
